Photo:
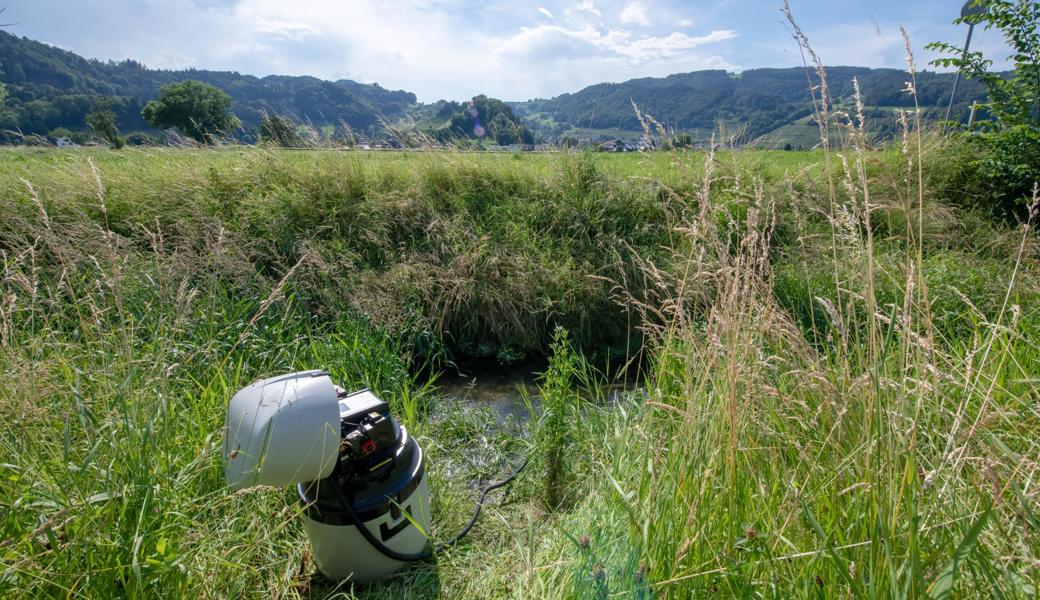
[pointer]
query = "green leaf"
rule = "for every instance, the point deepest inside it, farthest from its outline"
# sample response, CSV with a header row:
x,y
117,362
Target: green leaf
x,y
942,587
841,566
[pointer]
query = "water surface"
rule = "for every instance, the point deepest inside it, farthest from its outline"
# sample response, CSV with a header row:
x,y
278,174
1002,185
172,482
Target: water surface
x,y
502,388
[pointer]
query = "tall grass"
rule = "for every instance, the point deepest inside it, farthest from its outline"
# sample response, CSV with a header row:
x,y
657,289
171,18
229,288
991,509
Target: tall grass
x,y
889,464
840,371
874,452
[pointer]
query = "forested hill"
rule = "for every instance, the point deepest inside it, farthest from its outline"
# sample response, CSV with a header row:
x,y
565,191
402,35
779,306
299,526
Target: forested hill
x,y
49,88
763,100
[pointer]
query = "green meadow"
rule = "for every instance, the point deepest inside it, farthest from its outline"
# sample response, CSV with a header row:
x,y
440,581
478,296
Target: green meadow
x,y
833,364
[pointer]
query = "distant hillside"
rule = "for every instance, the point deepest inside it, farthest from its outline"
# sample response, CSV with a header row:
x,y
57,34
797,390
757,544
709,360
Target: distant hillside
x,y
49,88
760,100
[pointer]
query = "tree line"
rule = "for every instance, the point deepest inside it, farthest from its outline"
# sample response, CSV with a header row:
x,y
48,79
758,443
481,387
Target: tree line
x,y
52,89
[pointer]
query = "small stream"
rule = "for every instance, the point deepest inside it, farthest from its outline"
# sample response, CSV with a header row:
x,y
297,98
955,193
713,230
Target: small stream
x,y
503,389
506,390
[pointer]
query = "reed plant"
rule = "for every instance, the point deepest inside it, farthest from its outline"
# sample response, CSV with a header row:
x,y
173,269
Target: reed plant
x,y
867,451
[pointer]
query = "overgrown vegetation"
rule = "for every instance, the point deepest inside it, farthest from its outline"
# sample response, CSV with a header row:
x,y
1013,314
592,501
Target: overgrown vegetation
x,y
837,381
768,455
1002,151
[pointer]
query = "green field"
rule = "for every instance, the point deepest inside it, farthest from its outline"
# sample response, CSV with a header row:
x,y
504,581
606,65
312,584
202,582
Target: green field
x,y
839,368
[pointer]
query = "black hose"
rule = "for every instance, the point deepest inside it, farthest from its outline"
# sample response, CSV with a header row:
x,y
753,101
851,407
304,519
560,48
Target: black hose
x,y
427,552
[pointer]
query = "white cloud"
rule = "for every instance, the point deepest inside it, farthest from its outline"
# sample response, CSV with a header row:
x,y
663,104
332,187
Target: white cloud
x,y
546,12
635,13
434,48
670,45
418,47
284,29
427,48
872,47
685,23
569,59
590,7
553,42
547,42
173,61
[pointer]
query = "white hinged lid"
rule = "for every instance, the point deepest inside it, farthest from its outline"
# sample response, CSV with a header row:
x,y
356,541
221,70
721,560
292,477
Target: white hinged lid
x,y
282,430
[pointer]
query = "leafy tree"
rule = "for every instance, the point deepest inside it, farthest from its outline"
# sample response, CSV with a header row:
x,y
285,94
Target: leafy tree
x,y
1013,100
489,118
102,120
198,110
1003,156
279,131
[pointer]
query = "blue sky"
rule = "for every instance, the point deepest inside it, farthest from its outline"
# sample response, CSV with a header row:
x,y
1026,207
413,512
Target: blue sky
x,y
509,49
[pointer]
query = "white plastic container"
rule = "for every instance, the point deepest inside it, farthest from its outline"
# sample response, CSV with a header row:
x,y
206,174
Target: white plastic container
x,y
394,507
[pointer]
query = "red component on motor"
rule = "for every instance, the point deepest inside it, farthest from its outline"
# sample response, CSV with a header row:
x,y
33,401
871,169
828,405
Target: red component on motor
x,y
368,446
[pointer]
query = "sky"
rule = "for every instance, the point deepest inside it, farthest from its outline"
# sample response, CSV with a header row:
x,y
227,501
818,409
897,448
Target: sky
x,y
509,49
